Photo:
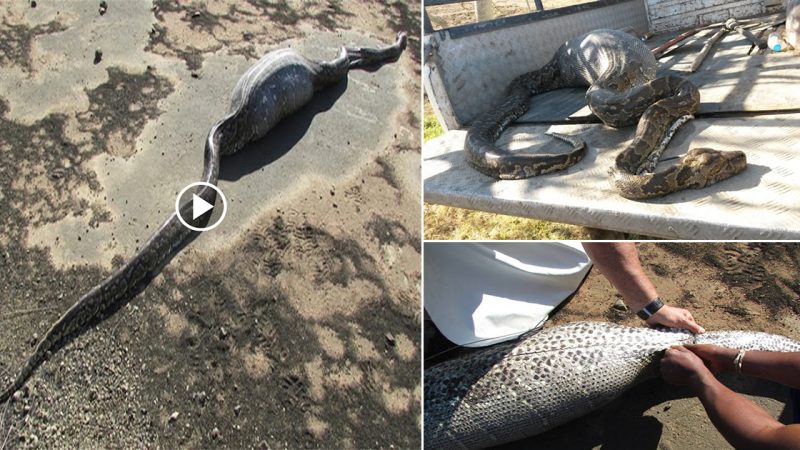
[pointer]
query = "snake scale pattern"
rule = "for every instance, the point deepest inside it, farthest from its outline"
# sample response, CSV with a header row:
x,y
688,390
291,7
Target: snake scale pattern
x,y
514,390
279,84
620,72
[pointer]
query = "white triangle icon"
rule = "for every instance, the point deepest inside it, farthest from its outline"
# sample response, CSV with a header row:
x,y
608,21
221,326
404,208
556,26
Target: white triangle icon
x,y
199,206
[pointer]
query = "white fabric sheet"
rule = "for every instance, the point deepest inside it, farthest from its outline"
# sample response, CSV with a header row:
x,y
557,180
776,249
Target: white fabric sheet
x,y
481,293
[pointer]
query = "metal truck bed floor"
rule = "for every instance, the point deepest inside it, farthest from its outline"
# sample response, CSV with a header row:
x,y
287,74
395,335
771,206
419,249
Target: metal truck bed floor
x,y
761,203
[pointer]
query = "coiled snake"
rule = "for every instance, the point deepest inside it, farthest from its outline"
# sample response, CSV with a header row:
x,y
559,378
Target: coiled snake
x,y
279,84
621,74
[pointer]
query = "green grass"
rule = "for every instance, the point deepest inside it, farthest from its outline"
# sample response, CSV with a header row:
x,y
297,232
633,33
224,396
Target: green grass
x,y
432,127
448,223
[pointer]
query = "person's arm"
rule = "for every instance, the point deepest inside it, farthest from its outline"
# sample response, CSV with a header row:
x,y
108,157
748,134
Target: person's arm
x,y
741,422
780,367
619,263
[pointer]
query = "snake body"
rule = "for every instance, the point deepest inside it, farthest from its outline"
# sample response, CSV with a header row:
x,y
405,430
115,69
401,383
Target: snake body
x,y
279,84
620,72
514,390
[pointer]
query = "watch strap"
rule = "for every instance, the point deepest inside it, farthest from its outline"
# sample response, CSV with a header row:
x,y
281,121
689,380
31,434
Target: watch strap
x,y
650,309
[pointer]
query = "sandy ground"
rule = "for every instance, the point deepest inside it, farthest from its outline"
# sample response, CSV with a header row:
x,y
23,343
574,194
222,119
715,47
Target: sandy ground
x,y
725,286
295,323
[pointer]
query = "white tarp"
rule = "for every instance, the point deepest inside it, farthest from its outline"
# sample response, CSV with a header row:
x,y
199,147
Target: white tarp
x,y
481,293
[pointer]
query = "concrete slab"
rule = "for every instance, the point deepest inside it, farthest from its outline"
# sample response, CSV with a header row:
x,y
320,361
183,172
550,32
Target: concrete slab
x,y
140,191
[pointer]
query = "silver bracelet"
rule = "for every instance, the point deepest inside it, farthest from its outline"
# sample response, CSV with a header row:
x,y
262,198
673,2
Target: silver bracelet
x,y
737,362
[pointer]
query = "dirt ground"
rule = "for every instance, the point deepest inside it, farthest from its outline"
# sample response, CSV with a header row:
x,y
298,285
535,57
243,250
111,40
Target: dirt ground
x,y
295,326
726,286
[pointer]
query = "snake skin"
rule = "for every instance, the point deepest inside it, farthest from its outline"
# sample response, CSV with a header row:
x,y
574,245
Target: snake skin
x,y
511,391
279,84
620,72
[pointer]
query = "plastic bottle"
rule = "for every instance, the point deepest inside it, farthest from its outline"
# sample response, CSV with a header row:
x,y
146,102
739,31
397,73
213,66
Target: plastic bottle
x,y
775,42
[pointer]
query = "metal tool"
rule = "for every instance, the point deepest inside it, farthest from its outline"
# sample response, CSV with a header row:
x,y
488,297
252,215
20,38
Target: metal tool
x,y
732,25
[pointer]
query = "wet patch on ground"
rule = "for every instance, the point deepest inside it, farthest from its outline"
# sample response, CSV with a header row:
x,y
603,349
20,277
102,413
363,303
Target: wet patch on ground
x,y
188,31
120,108
15,42
392,232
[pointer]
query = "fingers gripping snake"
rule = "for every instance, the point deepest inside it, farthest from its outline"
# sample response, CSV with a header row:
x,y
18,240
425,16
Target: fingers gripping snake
x,y
279,84
522,388
621,74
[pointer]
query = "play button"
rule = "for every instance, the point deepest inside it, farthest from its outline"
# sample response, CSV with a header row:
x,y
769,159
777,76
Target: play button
x,y
201,207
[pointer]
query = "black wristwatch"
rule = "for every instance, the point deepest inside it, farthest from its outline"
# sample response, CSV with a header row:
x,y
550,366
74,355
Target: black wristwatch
x,y
650,309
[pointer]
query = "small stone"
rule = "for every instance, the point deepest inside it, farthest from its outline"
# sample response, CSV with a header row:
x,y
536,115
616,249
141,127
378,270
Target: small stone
x,y
223,333
103,7
215,433
195,75
173,417
196,14
33,4
619,305
17,396
390,339
200,397
98,56
57,174
237,410
263,445
247,35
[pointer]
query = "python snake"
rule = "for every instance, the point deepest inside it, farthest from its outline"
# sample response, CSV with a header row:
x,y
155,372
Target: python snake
x,y
279,84
513,390
621,74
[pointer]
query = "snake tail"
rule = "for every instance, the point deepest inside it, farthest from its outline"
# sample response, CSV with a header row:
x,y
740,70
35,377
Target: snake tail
x,y
486,157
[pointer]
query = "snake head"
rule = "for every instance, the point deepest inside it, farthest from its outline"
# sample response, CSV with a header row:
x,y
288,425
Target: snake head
x,y
715,165
371,59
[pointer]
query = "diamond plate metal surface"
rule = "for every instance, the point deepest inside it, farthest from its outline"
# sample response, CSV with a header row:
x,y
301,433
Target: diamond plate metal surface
x,y
759,203
476,69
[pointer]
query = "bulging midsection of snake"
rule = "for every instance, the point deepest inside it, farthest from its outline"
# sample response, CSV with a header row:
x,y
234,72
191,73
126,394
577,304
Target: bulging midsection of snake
x,y
519,389
276,86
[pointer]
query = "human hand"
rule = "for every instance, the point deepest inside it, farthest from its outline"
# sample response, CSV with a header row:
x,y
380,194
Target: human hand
x,y
681,366
716,358
670,316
